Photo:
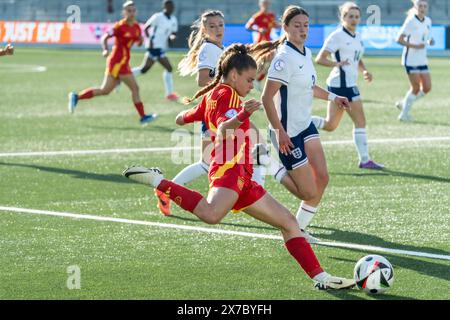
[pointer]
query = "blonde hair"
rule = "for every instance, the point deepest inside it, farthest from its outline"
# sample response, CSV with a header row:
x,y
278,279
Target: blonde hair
x,y
413,11
236,56
188,65
346,7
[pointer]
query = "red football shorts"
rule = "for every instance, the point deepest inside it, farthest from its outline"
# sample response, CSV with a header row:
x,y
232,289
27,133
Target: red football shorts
x,y
116,67
248,190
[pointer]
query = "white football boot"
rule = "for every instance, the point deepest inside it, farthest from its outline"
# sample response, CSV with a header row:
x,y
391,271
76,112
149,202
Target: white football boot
x,y
334,283
147,176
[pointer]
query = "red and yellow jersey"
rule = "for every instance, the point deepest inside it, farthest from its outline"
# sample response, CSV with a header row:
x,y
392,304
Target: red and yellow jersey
x,y
219,105
263,20
126,35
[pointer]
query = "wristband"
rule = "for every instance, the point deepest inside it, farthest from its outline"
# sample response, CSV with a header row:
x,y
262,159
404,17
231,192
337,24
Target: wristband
x,y
331,96
243,115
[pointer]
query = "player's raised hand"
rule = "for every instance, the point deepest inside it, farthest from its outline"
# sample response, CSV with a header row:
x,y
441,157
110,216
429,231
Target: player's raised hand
x,y
342,102
252,105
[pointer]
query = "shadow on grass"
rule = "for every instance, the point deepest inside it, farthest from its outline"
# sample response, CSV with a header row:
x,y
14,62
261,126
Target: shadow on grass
x,y
151,127
392,173
433,123
224,223
117,178
429,267
354,294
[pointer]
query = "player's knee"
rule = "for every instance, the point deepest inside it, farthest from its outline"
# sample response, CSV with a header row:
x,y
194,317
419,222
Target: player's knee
x,y
105,91
323,178
426,89
308,193
213,216
415,90
331,126
145,68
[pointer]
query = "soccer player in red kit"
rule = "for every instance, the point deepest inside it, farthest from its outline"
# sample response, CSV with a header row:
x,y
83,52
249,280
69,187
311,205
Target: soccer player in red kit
x,y
262,22
230,173
127,32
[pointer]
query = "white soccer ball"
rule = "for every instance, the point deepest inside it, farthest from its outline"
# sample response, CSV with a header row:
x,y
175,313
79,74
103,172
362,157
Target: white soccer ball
x,y
374,274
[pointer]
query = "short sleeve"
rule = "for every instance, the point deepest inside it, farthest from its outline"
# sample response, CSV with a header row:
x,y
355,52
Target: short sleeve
x,y
279,70
195,114
228,106
115,30
152,20
205,59
407,28
331,44
250,23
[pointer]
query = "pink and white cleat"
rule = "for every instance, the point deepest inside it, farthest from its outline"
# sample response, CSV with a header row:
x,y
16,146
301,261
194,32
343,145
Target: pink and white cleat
x,y
371,165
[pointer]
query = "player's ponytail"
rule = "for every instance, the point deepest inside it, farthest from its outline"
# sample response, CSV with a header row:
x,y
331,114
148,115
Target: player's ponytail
x,y
236,57
264,52
188,65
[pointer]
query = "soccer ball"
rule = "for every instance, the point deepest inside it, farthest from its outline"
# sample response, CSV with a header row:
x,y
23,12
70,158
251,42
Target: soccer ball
x,y
374,274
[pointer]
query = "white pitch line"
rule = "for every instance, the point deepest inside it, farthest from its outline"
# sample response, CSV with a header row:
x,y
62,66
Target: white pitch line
x,y
220,231
170,149
99,151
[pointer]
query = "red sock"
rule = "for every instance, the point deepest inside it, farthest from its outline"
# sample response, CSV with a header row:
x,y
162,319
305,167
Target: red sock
x,y
182,196
140,108
86,94
301,250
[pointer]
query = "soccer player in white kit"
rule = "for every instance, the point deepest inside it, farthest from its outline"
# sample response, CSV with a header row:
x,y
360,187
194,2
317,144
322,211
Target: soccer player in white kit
x,y
415,36
159,29
346,47
287,99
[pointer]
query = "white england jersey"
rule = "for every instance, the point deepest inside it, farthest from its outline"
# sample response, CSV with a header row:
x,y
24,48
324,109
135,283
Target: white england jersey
x,y
208,56
161,28
344,46
417,32
295,71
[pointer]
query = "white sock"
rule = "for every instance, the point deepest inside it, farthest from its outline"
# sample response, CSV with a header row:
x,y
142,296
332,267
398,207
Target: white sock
x,y
168,82
360,139
191,173
319,122
305,214
136,71
407,103
259,174
321,276
280,173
